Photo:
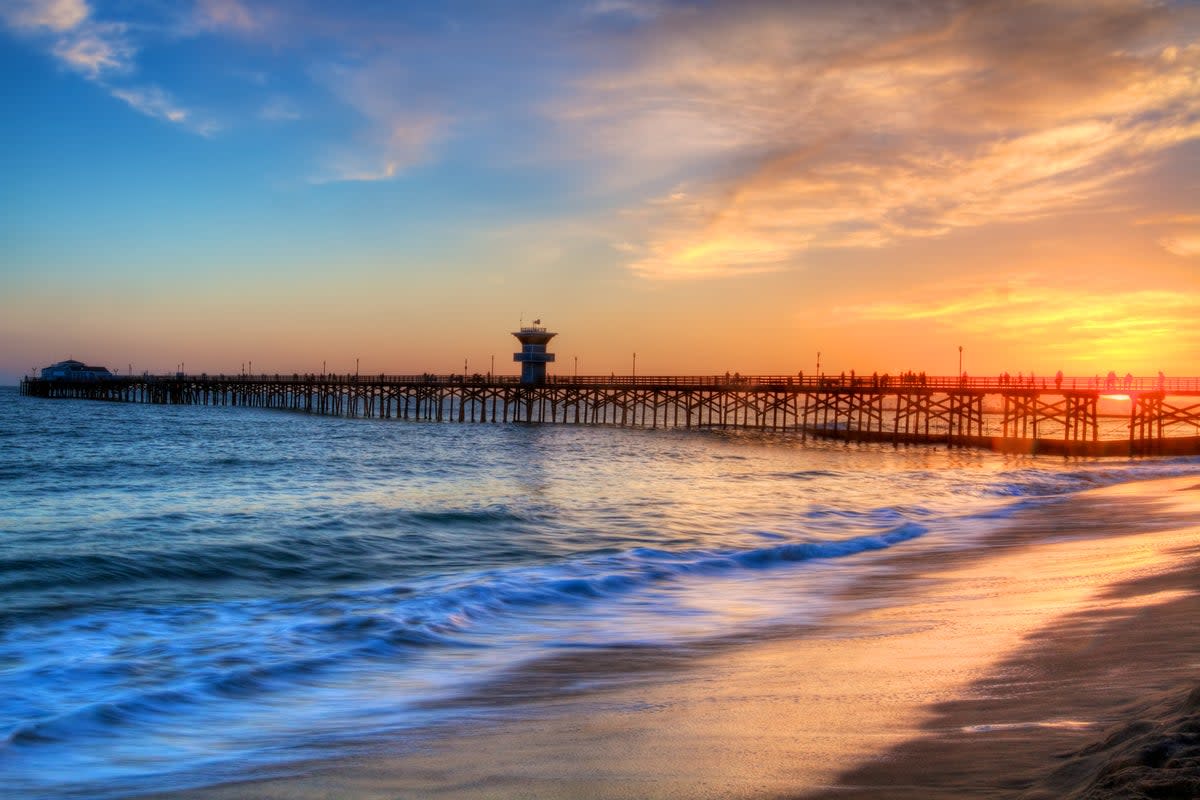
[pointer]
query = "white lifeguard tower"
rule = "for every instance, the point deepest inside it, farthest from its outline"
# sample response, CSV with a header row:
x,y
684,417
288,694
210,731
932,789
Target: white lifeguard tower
x,y
533,357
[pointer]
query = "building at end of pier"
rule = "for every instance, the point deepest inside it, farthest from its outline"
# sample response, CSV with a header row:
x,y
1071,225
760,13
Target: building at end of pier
x,y
533,357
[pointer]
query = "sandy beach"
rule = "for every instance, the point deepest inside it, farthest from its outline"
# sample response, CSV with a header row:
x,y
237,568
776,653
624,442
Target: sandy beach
x,y
1058,658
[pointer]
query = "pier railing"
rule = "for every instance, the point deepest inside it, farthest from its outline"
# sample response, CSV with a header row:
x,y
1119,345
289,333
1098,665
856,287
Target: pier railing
x,y
1121,385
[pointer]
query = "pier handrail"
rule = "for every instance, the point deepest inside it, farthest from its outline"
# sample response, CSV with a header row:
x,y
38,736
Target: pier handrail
x,y
904,381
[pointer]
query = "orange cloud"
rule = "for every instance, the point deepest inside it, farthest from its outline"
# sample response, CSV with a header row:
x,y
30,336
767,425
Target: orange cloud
x,y
1084,321
55,15
810,129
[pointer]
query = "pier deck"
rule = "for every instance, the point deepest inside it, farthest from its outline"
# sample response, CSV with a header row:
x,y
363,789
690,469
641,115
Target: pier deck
x,y
1077,416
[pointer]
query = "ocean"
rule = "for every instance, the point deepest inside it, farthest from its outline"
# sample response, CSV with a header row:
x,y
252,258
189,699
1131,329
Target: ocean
x,y
197,595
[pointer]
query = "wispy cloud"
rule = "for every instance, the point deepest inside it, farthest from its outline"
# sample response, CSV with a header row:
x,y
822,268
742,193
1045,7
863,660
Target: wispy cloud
x,y
384,153
96,51
834,125
78,41
635,9
154,102
55,15
1184,244
1180,233
1029,313
99,50
280,109
402,127
230,15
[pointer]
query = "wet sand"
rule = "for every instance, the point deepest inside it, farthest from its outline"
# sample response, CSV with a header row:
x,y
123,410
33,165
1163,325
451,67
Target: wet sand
x,y
1058,658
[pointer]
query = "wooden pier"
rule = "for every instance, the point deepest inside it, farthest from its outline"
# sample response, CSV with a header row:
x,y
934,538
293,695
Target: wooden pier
x,y
1048,416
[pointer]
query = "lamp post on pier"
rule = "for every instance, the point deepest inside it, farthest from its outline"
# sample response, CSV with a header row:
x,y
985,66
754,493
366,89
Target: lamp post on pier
x,y
635,366
960,372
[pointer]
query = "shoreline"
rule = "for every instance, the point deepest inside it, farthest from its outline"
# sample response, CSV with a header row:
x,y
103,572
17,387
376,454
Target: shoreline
x,y
944,676
1102,702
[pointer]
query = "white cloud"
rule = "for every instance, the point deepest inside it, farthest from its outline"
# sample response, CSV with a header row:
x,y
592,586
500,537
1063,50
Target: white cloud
x,y
99,51
95,50
635,9
75,38
154,102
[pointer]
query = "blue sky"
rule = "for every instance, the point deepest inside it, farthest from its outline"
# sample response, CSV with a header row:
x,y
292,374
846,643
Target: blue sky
x,y
714,185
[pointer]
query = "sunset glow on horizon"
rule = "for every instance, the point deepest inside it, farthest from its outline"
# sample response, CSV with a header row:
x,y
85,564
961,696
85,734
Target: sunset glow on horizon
x,y
714,186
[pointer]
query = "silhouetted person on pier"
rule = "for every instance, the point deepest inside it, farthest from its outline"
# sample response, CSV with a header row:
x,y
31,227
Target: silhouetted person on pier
x,y
1058,378
1128,380
1111,381
1162,381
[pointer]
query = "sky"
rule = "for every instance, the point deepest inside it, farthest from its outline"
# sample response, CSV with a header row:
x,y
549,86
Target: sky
x,y
397,186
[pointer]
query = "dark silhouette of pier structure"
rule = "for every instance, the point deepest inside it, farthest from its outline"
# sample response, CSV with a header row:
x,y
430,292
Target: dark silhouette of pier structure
x,y
1046,416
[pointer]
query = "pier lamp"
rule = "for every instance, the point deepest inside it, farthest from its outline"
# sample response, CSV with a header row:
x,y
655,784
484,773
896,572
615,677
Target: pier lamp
x,y
960,361
635,365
